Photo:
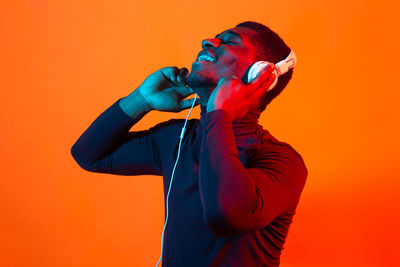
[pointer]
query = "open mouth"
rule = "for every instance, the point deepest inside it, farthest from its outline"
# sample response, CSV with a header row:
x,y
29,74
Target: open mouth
x,y
206,56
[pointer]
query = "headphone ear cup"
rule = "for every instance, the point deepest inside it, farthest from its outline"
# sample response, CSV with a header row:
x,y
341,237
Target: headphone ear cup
x,y
256,69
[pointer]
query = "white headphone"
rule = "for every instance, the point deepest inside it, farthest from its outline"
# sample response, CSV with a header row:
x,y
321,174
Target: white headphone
x,y
280,68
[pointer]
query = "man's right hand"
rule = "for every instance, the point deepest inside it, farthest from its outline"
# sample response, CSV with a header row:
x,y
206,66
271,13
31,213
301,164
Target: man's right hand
x,y
165,89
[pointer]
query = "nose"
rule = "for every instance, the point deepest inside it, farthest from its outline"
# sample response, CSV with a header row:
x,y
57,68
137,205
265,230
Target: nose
x,y
207,43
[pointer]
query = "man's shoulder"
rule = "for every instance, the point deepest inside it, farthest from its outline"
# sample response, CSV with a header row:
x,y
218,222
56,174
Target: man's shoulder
x,y
271,147
280,160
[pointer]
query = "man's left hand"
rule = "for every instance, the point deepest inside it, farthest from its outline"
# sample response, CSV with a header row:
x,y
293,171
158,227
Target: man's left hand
x,y
237,98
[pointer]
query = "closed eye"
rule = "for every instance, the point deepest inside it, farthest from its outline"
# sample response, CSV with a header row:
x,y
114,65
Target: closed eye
x,y
228,42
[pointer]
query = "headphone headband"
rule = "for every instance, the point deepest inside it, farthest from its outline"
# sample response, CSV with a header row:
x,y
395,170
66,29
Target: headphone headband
x,y
289,62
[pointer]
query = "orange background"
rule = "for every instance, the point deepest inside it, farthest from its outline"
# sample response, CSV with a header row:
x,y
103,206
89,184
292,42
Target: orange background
x,y
65,62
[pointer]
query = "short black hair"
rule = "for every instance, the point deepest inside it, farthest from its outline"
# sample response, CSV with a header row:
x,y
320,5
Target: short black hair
x,y
270,47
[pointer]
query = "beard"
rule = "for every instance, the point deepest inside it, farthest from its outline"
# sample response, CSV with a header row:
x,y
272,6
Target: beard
x,y
201,81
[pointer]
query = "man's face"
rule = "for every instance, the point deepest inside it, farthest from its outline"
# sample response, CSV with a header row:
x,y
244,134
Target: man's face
x,y
231,52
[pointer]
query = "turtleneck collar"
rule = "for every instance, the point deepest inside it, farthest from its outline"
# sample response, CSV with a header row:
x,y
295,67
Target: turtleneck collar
x,y
243,126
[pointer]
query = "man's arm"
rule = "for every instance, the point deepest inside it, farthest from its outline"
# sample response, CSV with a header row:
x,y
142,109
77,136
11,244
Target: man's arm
x,y
134,105
107,146
237,200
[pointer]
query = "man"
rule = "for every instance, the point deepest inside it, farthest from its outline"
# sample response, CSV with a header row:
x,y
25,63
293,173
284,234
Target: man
x,y
236,187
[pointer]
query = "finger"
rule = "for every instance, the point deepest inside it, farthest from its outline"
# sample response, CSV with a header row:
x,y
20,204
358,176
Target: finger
x,y
263,88
171,73
187,103
264,75
221,81
236,80
184,91
183,72
191,90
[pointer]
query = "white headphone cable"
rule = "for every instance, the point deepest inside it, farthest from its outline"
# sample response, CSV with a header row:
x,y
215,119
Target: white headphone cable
x,y
172,176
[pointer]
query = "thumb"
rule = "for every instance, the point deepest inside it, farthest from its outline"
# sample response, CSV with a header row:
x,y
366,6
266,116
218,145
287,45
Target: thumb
x,y
221,81
187,103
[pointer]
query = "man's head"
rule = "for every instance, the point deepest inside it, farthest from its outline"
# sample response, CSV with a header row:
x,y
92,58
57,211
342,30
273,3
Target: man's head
x,y
232,52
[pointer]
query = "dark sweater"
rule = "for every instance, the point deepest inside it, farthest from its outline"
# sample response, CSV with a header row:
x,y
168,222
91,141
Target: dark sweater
x,y
235,188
